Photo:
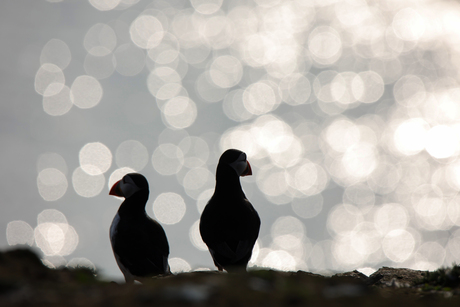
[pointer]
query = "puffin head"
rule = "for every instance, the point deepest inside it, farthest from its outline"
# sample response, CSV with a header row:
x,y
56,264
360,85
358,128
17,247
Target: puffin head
x,y
128,185
236,159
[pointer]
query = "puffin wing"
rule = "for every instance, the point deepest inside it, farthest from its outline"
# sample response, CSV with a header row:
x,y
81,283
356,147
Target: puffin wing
x,y
145,252
223,249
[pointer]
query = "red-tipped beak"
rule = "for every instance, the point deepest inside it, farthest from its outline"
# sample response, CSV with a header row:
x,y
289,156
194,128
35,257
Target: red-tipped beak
x,y
247,171
115,190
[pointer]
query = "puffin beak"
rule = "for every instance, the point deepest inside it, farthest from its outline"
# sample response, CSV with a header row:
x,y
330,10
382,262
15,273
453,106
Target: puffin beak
x,y
115,190
247,171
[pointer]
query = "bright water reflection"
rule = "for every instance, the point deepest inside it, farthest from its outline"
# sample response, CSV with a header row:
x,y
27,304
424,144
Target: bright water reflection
x,y
348,112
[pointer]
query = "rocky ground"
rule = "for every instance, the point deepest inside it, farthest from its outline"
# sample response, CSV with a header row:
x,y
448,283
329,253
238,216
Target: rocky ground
x,y
25,281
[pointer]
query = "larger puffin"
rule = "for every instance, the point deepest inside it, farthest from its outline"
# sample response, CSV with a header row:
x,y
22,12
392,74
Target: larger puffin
x,y
139,243
229,224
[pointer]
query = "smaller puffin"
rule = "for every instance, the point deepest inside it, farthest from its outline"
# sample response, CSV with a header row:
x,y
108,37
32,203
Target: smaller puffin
x,y
229,224
139,243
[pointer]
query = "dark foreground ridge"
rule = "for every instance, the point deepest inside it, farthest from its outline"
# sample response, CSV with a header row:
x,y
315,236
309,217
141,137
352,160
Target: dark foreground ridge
x,y
25,281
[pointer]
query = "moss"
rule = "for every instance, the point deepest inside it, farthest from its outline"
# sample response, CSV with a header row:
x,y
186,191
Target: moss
x,y
441,279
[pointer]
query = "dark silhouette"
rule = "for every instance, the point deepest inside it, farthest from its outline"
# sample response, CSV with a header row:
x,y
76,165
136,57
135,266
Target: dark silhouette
x,y
229,224
139,243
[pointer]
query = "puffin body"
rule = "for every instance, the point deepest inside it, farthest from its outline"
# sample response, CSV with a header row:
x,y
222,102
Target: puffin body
x,y
229,224
139,243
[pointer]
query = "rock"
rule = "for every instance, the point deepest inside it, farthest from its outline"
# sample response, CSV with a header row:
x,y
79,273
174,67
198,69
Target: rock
x,y
354,274
395,277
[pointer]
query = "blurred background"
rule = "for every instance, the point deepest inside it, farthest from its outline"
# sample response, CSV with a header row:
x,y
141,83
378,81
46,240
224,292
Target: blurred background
x,y
348,111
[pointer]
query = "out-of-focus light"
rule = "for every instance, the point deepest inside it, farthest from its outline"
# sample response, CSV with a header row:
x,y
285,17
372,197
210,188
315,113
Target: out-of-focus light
x,y
179,265
430,207
226,71
168,159
195,237
453,246
389,69
51,160
86,92
368,86
283,72
272,182
196,180
203,199
280,260
167,51
408,24
169,208
442,142
146,31
352,13
430,256
208,90
325,45
299,89
132,154
367,271
59,103
196,151
410,136
52,184
343,218
53,235
196,55
161,77
409,91
361,196
95,158
360,160
86,184
19,232
385,178
179,112
233,106
260,98
49,79
342,134
288,225
206,7
130,59
100,40
104,5
398,245
56,52
81,262
453,175
308,207
347,87
365,239
305,177
218,32
54,261
51,215
443,107
345,253
389,217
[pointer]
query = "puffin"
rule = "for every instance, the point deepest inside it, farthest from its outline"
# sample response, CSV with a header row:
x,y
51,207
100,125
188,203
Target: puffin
x,y
139,243
229,224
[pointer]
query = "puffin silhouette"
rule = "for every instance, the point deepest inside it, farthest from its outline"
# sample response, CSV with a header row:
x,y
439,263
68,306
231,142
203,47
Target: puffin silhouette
x,y
139,243
229,224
